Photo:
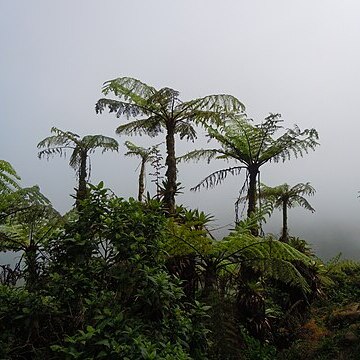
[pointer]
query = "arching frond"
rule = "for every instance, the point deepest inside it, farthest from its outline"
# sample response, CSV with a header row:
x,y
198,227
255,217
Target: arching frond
x,y
151,126
60,139
301,201
129,110
106,143
58,144
148,154
291,196
129,89
20,200
294,142
197,155
217,177
216,104
8,177
32,196
186,130
272,257
64,141
30,226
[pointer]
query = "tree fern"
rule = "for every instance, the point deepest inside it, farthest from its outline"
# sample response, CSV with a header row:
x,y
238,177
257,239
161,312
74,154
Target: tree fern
x,y
63,142
158,110
146,155
252,146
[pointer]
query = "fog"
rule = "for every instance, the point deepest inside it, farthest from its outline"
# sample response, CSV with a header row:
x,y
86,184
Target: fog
x,y
297,58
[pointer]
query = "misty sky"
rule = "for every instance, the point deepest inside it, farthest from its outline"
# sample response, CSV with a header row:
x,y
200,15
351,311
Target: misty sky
x,y
297,58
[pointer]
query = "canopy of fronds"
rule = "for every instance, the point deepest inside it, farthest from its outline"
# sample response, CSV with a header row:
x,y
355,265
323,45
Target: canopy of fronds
x,y
63,141
252,145
158,108
292,196
146,154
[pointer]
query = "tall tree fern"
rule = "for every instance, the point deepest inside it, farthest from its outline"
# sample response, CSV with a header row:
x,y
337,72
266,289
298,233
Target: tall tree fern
x,y
285,197
161,110
80,148
252,146
146,155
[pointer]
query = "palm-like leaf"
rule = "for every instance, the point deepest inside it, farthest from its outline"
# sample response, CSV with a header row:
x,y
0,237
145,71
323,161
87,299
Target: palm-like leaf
x,y
271,257
151,126
294,196
64,141
8,177
147,154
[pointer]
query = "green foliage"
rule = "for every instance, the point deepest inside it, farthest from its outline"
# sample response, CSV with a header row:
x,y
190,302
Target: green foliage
x,y
291,196
104,291
344,276
255,350
8,178
27,322
64,141
19,200
267,255
187,233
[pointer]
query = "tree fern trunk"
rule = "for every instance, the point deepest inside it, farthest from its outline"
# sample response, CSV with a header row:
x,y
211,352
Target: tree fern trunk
x,y
81,191
253,172
284,235
170,190
141,180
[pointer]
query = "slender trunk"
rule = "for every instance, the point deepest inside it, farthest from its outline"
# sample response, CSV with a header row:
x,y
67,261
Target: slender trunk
x,y
141,180
170,190
31,262
253,172
284,235
209,279
81,191
31,267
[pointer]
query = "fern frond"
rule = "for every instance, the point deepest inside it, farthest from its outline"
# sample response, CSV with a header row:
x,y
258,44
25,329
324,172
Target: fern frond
x,y
197,155
217,178
106,143
221,103
129,110
8,177
130,89
151,126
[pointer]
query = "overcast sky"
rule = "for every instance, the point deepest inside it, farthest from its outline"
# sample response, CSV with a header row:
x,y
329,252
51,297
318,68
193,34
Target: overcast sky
x,y
297,58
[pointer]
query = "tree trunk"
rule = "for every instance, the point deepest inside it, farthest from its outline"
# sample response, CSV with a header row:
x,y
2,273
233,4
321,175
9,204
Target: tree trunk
x,y
253,172
284,235
141,180
209,279
81,191
170,190
30,254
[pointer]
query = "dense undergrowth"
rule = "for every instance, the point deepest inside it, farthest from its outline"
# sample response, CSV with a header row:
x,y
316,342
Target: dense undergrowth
x,y
120,280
